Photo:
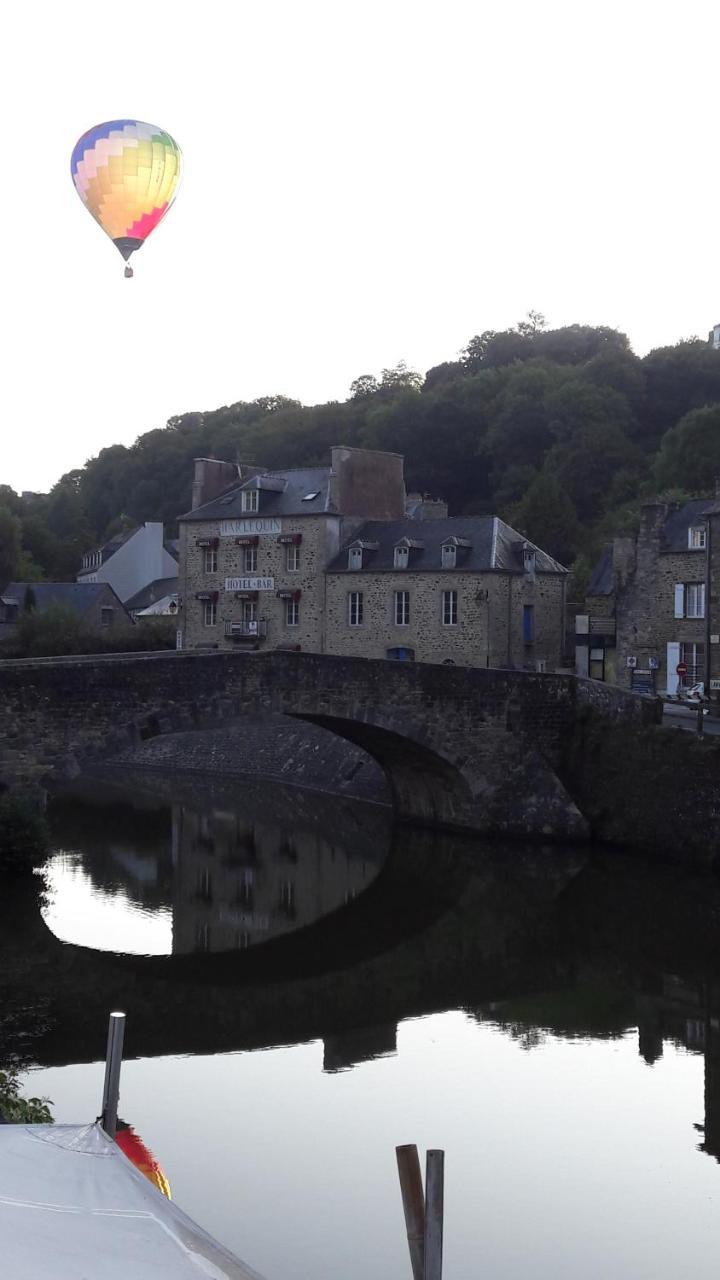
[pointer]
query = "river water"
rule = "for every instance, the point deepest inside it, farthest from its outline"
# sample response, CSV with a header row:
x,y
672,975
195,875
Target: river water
x,y
306,988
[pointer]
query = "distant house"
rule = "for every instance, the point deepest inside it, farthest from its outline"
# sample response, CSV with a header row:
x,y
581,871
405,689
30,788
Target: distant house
x,y
651,617
94,602
158,600
132,561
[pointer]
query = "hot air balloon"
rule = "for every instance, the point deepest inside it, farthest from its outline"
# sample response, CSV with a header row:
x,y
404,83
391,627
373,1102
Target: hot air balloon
x,y
126,173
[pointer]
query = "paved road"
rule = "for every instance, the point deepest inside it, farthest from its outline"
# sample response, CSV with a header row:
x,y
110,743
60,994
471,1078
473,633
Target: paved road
x,y
676,716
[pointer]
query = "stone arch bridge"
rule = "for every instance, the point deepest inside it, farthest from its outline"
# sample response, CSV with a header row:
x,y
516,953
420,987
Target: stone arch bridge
x,y
462,748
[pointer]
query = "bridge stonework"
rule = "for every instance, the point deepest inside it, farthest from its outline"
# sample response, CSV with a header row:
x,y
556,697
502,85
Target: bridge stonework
x,y
462,748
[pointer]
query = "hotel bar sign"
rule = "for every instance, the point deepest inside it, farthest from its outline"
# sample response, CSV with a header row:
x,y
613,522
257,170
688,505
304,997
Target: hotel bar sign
x,y
268,526
249,584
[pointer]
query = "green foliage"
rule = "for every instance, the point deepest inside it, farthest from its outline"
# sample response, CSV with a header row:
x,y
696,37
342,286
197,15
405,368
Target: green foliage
x,y
58,630
23,834
547,516
18,1110
9,545
689,455
565,429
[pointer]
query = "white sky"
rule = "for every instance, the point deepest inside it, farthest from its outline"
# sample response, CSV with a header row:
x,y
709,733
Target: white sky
x,y
364,183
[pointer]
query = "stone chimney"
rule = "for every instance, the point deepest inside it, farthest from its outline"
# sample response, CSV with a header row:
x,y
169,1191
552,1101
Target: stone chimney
x,y
367,483
212,476
623,561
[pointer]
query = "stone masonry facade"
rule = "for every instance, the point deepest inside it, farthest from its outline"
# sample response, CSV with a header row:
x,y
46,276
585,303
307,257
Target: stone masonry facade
x,y
271,560
488,631
662,589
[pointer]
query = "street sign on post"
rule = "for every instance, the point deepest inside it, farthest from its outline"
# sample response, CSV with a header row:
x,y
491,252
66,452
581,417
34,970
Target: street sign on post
x,y
681,669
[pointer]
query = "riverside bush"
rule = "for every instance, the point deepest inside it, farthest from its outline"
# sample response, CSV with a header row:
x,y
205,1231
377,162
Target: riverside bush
x,y
58,631
23,834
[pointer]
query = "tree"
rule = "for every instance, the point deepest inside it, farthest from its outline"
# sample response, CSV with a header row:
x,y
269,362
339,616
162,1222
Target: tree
x,y
679,378
546,516
689,455
364,386
10,546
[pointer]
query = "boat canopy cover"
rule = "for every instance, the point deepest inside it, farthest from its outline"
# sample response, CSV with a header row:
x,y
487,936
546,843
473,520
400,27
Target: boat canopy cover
x,y
72,1205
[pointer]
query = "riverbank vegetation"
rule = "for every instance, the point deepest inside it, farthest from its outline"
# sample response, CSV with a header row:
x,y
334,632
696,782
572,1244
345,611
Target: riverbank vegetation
x,y
15,1109
59,630
23,834
562,431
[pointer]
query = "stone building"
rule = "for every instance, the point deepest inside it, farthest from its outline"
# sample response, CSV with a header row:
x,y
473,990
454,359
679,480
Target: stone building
x,y
469,591
253,551
652,603
328,560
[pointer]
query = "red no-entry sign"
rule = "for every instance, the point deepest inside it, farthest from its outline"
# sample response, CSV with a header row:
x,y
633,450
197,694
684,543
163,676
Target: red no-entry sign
x,y
681,668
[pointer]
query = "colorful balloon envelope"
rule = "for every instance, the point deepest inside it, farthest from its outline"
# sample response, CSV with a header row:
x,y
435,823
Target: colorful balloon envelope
x,y
126,173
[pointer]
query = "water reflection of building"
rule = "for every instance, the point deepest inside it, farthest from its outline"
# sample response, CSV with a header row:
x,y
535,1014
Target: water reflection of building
x,y
363,1044
240,881
687,1014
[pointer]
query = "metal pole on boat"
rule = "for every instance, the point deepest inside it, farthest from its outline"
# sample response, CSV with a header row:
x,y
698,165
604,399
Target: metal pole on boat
x,y
434,1208
113,1062
411,1189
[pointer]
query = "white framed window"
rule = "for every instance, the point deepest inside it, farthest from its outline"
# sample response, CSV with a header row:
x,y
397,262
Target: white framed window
x,y
209,613
250,499
401,557
292,558
689,599
292,613
210,560
697,538
448,555
693,655
355,608
355,558
449,608
250,559
402,608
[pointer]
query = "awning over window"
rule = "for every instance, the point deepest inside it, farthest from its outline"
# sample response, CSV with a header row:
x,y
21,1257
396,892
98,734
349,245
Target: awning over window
x,y
290,539
250,540
247,595
289,595
212,543
208,596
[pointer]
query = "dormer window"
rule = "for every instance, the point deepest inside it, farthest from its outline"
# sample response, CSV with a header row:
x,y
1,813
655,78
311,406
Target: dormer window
x,y
402,554
355,558
250,500
697,538
448,555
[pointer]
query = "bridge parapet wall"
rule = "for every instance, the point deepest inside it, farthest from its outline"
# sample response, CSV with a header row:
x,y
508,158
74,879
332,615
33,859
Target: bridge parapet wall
x,y
462,747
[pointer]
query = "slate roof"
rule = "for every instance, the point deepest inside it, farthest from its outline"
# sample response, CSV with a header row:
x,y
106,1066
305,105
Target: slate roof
x,y
153,592
494,546
601,578
675,529
289,501
78,596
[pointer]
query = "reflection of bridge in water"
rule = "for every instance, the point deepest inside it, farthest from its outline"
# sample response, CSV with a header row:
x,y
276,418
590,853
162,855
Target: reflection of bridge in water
x,y
222,873
445,923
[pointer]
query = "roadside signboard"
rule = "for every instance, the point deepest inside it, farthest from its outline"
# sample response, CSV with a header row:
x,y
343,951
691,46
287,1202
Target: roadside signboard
x,y
681,669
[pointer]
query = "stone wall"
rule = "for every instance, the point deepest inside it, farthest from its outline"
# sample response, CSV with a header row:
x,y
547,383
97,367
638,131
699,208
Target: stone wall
x,y
320,541
655,789
645,604
489,630
461,748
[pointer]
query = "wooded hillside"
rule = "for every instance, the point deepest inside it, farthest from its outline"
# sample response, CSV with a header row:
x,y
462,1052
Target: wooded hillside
x,y
564,432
